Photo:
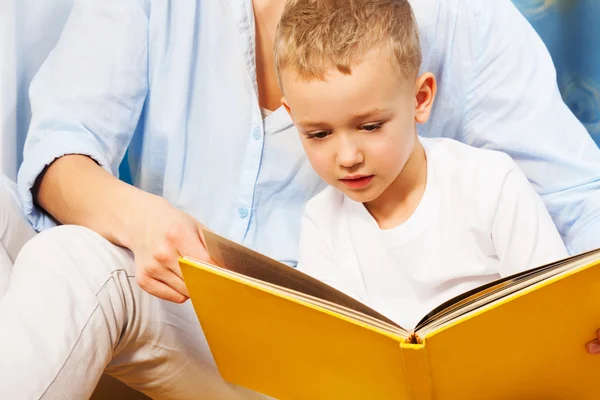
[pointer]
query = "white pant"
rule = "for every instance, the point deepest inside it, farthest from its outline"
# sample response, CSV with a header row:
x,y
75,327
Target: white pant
x,y
74,310
14,231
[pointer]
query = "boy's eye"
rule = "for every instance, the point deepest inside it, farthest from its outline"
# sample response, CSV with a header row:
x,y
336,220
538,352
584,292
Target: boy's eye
x,y
371,127
318,135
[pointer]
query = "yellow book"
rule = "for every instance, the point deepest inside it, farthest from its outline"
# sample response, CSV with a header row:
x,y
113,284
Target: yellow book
x,y
280,332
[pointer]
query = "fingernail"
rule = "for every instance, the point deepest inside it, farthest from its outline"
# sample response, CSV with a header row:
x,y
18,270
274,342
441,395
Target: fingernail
x,y
593,347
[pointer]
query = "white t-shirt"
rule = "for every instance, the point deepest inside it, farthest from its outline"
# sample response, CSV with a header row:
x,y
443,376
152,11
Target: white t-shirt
x,y
479,219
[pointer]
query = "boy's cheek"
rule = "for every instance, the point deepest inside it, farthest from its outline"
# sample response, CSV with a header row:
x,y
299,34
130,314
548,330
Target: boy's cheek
x,y
320,163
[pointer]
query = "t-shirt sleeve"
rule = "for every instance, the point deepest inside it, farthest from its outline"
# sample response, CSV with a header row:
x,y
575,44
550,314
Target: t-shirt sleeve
x,y
523,233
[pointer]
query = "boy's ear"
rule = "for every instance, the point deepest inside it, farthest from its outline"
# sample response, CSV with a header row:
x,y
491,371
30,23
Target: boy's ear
x,y
425,89
286,106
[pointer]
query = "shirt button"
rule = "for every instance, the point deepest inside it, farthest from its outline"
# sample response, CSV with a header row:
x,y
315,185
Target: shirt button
x,y
256,133
243,212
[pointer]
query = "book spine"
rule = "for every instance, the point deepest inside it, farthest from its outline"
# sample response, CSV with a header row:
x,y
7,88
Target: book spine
x,y
416,368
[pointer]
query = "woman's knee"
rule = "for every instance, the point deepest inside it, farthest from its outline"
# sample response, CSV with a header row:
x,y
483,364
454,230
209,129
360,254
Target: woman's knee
x,y
72,248
15,231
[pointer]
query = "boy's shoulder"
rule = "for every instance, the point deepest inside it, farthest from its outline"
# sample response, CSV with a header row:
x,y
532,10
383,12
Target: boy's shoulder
x,y
473,176
460,158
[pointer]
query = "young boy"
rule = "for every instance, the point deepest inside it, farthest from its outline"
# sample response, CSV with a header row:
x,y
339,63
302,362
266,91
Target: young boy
x,y
407,222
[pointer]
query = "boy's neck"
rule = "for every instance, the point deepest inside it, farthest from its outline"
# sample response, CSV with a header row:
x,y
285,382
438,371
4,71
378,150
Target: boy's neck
x,y
400,200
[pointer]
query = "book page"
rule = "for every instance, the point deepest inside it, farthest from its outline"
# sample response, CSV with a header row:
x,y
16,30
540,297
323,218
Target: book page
x,y
487,294
315,301
242,260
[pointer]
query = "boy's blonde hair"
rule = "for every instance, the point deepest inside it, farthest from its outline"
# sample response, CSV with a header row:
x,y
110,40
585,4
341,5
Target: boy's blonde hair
x,y
314,36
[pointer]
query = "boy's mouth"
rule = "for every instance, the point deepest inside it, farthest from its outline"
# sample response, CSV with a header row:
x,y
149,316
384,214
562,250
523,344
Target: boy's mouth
x,y
357,181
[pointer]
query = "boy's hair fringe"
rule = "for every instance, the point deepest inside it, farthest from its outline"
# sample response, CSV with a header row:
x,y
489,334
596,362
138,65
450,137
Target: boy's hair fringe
x,y
314,36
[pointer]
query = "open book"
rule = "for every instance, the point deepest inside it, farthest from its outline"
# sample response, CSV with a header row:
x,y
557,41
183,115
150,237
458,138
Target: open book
x,y
278,331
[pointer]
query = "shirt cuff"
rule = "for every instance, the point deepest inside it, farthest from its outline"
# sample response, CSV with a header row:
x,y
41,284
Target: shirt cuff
x,y
42,154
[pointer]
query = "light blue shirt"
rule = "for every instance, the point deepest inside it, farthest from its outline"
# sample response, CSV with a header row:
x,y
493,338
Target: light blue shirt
x,y
175,81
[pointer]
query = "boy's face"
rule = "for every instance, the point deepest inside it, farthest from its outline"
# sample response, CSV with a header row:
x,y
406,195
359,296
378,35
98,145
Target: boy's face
x,y
359,130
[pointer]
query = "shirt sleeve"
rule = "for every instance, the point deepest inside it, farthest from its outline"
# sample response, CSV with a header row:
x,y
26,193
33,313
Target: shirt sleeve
x,y
316,258
514,105
523,232
88,95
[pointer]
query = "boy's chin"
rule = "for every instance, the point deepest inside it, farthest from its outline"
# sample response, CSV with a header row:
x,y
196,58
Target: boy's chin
x,y
365,196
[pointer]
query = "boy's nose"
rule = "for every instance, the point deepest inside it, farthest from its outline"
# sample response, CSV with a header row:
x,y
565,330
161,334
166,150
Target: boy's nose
x,y
349,156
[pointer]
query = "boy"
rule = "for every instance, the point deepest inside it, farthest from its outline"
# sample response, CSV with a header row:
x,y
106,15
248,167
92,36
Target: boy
x,y
407,222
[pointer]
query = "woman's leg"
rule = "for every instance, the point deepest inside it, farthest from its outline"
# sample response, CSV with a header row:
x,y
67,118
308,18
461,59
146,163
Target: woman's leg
x,y
74,310
15,231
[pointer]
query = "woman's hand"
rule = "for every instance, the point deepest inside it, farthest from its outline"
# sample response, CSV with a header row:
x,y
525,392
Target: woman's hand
x,y
593,347
159,236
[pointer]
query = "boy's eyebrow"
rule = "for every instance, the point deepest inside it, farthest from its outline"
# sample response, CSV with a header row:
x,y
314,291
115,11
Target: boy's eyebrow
x,y
363,115
369,113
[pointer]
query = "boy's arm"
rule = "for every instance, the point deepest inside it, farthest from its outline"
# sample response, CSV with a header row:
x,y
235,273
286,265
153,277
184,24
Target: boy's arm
x,y
514,105
316,259
523,233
